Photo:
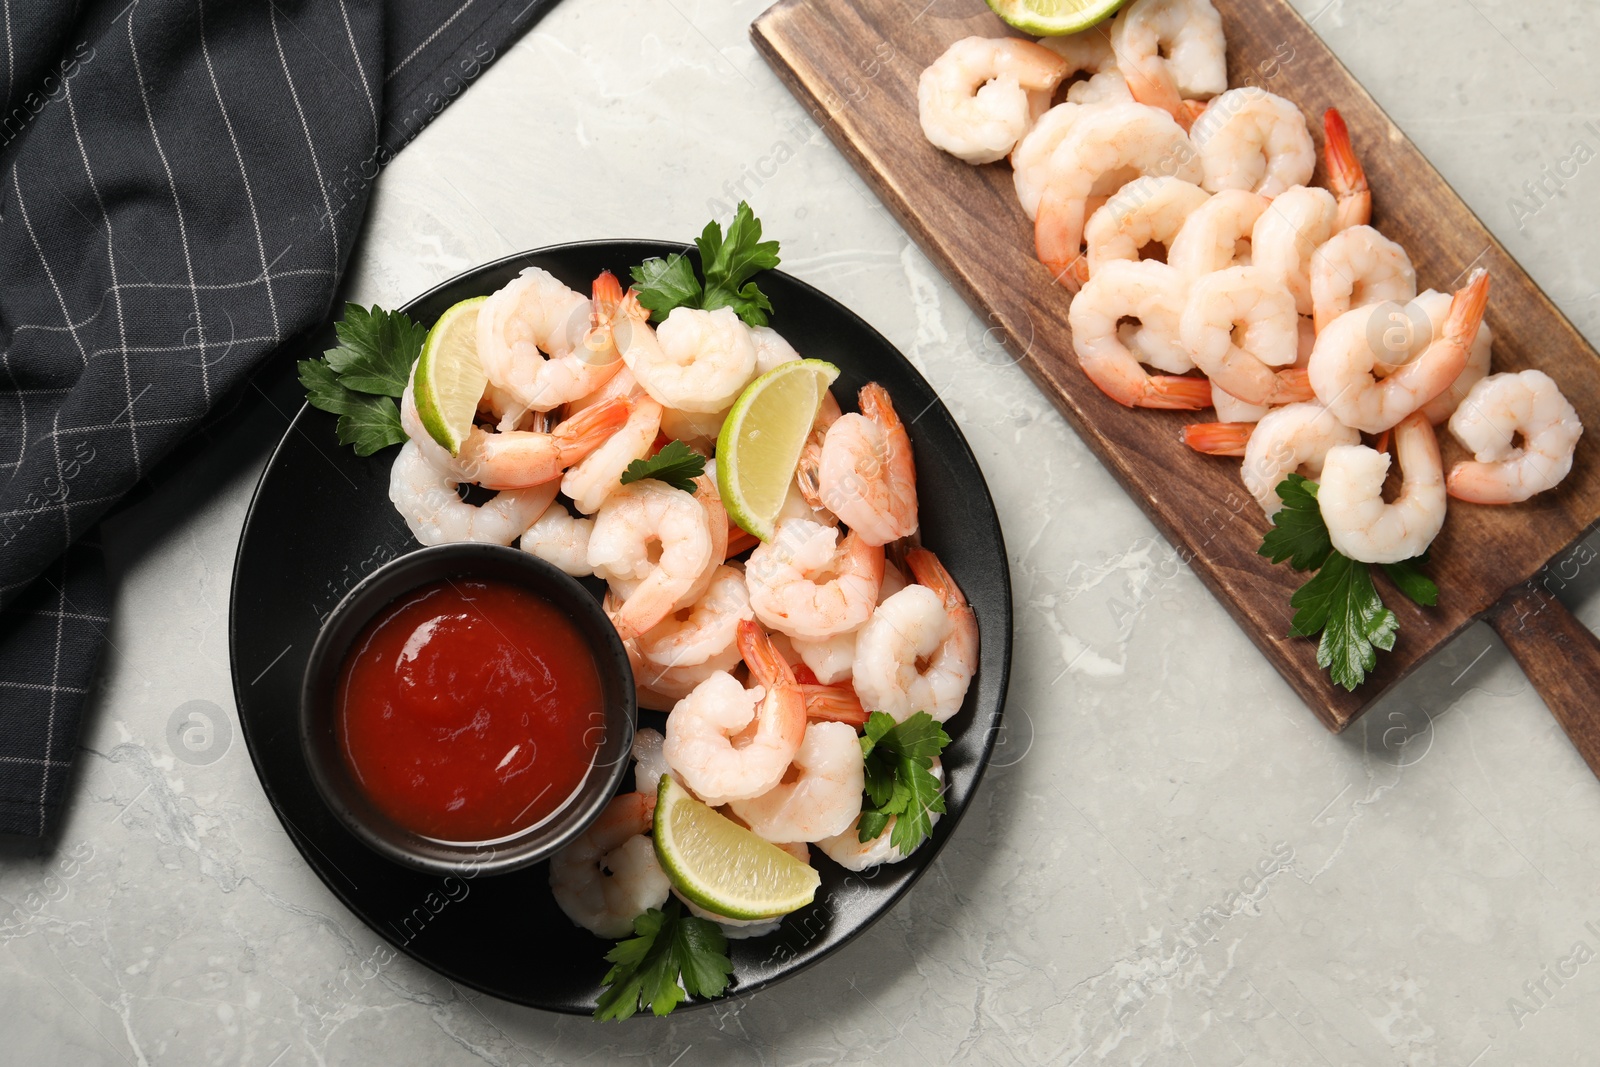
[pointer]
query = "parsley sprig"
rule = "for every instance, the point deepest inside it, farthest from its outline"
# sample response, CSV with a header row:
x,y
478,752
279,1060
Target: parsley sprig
x,y
359,380
727,262
899,783
676,464
1339,601
671,955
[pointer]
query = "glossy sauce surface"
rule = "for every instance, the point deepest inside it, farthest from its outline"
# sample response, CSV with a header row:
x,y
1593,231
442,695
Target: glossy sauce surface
x,y
469,709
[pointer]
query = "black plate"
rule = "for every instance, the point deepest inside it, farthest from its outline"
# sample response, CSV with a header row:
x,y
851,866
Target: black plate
x,y
321,521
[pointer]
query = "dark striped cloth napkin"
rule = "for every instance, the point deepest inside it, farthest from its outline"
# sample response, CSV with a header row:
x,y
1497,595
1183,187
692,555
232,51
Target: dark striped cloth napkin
x,y
181,182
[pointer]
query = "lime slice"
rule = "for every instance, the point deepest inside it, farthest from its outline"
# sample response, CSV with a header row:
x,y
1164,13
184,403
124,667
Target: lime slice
x,y
723,867
760,443
449,381
1054,18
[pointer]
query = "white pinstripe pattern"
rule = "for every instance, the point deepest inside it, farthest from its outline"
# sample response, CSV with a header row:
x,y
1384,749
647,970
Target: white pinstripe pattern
x,y
418,50
55,693
43,688
316,167
11,61
177,209
45,263
203,287
361,71
111,258
249,193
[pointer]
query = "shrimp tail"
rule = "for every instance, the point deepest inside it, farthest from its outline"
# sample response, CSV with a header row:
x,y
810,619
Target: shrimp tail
x,y
808,475
929,572
1291,386
1467,308
606,297
1218,438
1153,85
1176,393
589,428
1345,174
743,541
833,703
766,663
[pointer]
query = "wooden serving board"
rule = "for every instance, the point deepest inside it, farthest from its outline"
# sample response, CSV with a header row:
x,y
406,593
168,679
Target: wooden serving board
x,y
855,64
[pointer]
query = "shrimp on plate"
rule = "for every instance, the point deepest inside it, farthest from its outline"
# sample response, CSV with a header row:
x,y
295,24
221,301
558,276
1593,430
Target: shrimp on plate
x,y
1355,268
772,349
1288,233
696,361
516,459
1495,411
1107,148
807,582
657,540
609,875
864,471
1360,524
1251,139
426,498
1240,326
823,798
1216,235
731,743
560,538
544,344
979,98
1154,294
1288,440
1342,364
853,854
593,478
829,658
707,628
919,650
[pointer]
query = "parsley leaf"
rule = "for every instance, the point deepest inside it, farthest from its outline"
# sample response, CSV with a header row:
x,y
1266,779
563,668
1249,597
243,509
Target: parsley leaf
x,y
1298,533
676,464
1340,601
671,955
356,380
1412,582
727,261
899,781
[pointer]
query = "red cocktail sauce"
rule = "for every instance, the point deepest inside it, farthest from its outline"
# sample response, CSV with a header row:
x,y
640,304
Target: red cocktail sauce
x,y
469,710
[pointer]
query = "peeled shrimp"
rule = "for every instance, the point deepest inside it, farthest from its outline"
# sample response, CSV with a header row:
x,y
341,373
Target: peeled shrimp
x,y
1030,160
919,650
536,341
1090,54
559,538
731,743
609,875
1342,363
1230,408
1346,177
516,459
1360,524
825,796
648,762
1181,38
1105,150
1251,139
865,474
1495,411
1287,234
426,498
657,536
707,628
1145,211
978,98
853,854
829,658
1216,234
694,361
1436,307
1239,325
807,583
1288,440
1355,268
771,349
593,478
1154,294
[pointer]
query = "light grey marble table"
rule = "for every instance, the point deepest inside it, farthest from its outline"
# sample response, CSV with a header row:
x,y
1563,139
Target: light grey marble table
x,y
1431,896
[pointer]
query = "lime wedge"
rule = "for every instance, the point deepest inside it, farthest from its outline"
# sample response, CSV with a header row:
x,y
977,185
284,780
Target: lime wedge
x,y
723,867
760,443
1054,18
448,379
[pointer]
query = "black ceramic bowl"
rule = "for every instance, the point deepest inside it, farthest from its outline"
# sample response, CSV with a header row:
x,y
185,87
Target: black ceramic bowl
x,y
317,710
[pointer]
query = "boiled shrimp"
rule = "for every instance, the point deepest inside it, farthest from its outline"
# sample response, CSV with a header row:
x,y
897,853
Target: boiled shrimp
x,y
558,537
1089,54
517,459
1342,363
707,628
1030,160
829,658
1152,293
1403,342
977,99
1360,524
1144,212
1239,325
1495,411
806,582
658,537
1345,174
1355,268
1287,234
1180,39
545,344
853,854
731,743
1251,139
694,361
919,650
1293,439
823,798
1216,235
771,349
593,478
426,498
609,875
865,474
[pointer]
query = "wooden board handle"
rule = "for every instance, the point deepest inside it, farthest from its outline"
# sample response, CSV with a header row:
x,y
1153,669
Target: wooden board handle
x,y
1560,657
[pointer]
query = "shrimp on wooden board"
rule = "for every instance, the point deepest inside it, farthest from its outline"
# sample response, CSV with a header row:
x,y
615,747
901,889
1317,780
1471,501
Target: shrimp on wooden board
x,y
559,538
977,99
1154,294
1239,326
1360,523
1251,139
658,539
919,650
1341,368
1288,233
1146,211
853,854
426,498
1288,440
1105,150
823,798
1345,174
1407,334
864,471
609,875
1355,268
1089,54
1216,235
808,583
1497,409
732,743
1182,39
